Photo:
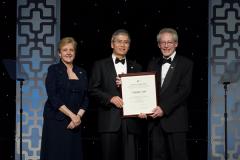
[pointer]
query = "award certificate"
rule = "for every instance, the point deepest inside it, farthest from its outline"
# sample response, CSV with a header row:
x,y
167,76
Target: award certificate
x,y
139,93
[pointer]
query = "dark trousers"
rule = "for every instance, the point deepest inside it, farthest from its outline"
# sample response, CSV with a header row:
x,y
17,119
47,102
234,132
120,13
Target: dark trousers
x,y
119,145
167,146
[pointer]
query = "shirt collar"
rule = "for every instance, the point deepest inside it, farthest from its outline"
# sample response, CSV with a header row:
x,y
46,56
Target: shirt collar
x,y
114,57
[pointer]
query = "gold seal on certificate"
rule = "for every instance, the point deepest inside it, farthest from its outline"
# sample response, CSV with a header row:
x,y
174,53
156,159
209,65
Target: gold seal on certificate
x,y
139,93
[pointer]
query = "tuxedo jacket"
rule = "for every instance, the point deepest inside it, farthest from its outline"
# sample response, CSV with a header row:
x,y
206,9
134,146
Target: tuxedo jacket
x,y
173,93
102,87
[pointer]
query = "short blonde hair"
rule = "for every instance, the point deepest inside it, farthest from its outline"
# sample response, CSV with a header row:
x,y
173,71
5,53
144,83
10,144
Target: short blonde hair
x,y
67,40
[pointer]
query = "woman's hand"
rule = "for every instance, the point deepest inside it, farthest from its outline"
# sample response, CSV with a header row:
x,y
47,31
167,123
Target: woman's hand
x,y
76,121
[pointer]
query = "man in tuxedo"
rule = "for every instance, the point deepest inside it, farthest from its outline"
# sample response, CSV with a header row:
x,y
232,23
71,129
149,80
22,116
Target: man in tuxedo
x,y
167,126
117,134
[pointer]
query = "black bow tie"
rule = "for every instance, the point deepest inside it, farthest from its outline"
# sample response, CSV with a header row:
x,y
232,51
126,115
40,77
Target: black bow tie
x,y
117,60
166,60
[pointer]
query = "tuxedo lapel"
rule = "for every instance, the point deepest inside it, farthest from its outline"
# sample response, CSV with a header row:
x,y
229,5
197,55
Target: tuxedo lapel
x,y
110,69
169,75
132,67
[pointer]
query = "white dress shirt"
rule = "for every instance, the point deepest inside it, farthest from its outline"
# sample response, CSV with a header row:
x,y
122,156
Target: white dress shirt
x,y
119,67
165,68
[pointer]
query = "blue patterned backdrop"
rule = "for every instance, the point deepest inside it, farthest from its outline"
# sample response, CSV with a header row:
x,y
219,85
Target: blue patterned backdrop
x,y
38,30
224,65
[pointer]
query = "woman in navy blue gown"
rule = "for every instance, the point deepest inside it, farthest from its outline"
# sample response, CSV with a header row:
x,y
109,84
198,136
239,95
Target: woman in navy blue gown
x,y
66,86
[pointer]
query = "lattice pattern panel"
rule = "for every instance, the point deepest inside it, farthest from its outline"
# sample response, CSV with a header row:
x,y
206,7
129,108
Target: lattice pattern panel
x,y
38,24
224,63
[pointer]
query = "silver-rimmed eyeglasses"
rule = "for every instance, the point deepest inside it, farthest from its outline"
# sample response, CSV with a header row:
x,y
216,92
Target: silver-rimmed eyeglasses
x,y
168,43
